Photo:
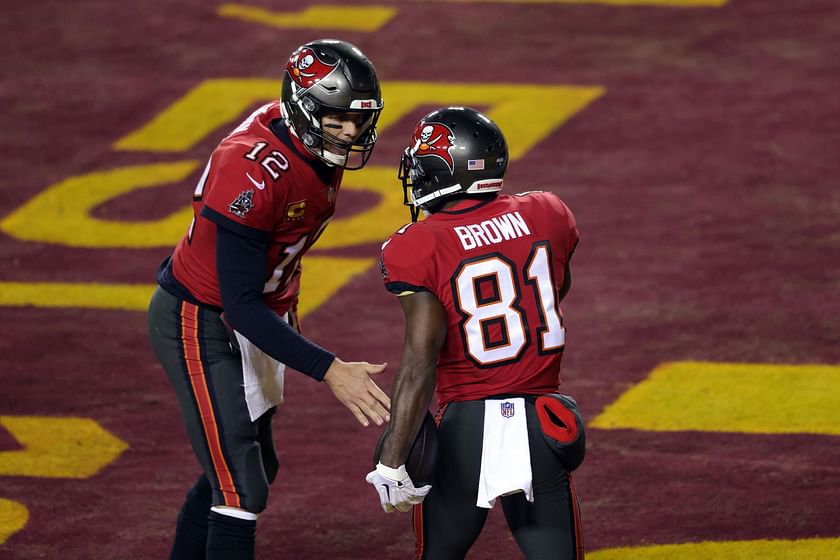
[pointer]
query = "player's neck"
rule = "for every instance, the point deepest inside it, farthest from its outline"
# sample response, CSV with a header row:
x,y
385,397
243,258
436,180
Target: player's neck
x,y
464,203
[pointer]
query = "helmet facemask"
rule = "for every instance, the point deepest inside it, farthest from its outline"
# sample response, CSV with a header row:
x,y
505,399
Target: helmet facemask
x,y
410,174
421,190
309,114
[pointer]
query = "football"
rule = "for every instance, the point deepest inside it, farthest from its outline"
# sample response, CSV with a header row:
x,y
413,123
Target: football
x,y
422,457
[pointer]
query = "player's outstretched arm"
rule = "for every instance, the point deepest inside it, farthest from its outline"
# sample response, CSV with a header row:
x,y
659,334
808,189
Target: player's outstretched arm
x,y
425,332
351,384
414,383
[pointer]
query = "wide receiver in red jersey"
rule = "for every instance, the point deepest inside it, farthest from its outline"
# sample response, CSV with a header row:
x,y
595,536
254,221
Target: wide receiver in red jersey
x,y
480,281
223,320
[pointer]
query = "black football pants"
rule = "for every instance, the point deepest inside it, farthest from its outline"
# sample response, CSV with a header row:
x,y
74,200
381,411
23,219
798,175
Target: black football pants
x,y
547,528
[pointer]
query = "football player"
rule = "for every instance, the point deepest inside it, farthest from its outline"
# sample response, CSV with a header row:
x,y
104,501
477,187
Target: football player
x,y
480,281
222,321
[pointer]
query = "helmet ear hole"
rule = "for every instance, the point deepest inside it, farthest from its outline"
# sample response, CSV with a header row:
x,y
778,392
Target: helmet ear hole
x,y
309,104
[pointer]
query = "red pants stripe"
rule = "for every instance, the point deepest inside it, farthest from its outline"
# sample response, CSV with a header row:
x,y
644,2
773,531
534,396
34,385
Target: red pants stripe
x,y
195,370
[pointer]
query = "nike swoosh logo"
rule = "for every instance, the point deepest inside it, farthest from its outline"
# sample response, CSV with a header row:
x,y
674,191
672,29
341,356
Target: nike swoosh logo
x,y
260,185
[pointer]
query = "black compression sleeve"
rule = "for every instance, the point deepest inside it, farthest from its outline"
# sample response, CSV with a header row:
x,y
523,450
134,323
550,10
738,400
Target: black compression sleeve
x,y
240,263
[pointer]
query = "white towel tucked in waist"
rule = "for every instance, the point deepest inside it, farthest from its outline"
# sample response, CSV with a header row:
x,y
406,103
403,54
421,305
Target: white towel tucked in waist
x,y
505,457
262,378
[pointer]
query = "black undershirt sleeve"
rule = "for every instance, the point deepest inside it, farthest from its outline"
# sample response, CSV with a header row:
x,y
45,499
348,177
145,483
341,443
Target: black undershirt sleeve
x,y
240,263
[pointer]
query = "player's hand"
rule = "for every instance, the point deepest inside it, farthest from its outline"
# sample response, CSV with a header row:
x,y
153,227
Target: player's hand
x,y
351,384
395,488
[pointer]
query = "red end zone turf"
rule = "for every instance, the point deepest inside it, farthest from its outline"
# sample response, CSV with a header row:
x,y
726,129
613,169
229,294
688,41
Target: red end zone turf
x,y
703,180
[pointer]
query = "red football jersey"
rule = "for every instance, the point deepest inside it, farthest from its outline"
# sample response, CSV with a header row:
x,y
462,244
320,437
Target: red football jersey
x,y
258,183
497,269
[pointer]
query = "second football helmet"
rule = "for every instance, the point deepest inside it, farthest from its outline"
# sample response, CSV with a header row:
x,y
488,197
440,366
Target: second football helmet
x,y
332,78
453,152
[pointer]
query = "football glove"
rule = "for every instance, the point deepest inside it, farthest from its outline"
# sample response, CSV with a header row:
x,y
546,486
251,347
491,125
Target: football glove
x,y
395,488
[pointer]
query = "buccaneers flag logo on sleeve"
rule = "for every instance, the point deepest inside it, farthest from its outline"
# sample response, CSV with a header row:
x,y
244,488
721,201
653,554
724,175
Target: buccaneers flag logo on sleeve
x,y
434,139
306,69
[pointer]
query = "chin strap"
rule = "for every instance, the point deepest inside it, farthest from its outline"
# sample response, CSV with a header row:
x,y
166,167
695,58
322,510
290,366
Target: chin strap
x,y
437,194
333,159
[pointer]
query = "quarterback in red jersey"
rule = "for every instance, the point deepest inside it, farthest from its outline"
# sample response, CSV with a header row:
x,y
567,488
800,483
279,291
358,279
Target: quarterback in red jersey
x,y
258,180
480,281
222,321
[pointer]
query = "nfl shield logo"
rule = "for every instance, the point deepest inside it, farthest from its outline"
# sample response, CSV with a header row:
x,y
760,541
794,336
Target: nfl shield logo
x,y
507,409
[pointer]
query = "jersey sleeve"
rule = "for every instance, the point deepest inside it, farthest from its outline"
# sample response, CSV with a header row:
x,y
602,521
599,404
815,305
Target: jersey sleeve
x,y
241,266
565,225
406,259
237,195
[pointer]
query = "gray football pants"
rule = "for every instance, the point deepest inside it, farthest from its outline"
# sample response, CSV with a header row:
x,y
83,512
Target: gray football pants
x,y
236,454
448,522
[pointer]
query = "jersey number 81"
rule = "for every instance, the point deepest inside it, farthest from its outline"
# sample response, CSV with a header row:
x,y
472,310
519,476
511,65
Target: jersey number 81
x,y
487,293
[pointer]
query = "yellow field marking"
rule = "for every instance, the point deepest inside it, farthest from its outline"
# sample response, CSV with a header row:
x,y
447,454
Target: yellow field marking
x,y
504,103
61,214
81,295
13,518
323,277
201,111
58,447
723,397
322,16
800,549
619,3
218,102
375,224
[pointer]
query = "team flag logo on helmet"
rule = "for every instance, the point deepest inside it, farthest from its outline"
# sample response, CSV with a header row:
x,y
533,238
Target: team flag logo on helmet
x,y
434,139
306,69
